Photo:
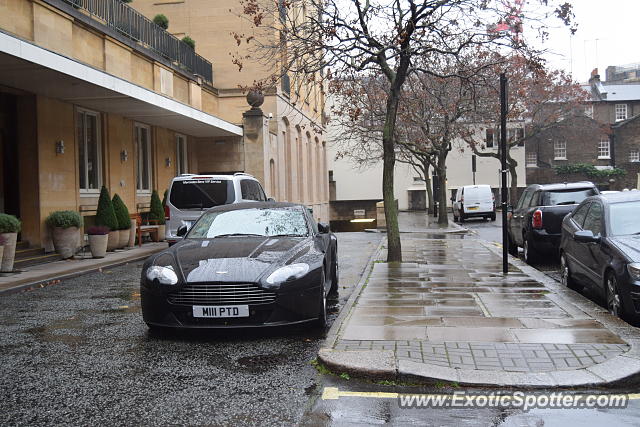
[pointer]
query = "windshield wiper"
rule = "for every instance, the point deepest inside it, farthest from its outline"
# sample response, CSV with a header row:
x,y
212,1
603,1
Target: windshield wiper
x,y
239,234
566,203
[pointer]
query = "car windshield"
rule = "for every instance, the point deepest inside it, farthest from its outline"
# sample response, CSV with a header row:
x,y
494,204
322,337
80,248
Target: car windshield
x,y
201,193
624,218
566,197
251,222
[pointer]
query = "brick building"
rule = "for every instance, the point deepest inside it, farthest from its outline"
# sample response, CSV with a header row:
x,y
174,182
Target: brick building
x,y
607,136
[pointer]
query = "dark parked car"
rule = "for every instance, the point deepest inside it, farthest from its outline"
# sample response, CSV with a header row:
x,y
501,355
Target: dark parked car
x,y
241,265
535,222
600,249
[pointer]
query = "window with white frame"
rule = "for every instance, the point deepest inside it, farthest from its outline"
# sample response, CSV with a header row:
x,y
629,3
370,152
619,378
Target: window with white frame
x,y
634,155
489,138
588,110
603,148
89,151
531,160
621,112
143,157
181,154
560,150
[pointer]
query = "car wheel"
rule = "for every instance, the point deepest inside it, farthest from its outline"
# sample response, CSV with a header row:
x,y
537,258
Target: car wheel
x,y
461,217
493,216
335,274
513,248
615,303
455,217
565,274
321,322
530,255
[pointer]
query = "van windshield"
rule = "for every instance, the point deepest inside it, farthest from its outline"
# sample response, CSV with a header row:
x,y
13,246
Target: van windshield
x,y
201,193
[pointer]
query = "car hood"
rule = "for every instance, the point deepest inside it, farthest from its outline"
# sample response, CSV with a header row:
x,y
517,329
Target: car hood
x,y
629,245
236,259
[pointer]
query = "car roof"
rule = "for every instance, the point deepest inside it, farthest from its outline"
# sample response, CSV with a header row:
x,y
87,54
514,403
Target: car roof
x,y
619,197
563,186
186,176
254,205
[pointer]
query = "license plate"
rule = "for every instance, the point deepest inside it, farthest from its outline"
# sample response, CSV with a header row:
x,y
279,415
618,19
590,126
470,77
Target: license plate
x,y
219,311
472,208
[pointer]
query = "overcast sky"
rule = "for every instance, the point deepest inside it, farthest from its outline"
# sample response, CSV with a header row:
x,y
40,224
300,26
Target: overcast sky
x,y
608,34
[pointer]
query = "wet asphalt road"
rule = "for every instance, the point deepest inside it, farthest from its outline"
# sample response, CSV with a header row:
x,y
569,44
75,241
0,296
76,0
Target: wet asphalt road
x,y
78,353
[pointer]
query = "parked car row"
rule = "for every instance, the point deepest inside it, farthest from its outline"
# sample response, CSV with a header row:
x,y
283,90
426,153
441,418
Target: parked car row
x,y
238,259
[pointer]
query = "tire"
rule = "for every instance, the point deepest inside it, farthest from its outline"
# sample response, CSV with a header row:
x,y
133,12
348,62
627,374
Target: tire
x,y
615,302
530,254
461,217
493,216
156,330
513,248
321,322
335,277
565,274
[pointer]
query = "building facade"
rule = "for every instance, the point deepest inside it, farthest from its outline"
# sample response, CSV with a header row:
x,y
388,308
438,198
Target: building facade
x,y
92,94
606,137
294,163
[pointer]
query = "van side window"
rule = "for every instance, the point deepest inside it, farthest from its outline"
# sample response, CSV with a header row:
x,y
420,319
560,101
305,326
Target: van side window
x,y
251,190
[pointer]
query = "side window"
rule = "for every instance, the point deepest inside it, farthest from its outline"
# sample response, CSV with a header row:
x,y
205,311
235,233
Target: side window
x,y
593,221
522,198
580,214
527,199
534,200
251,190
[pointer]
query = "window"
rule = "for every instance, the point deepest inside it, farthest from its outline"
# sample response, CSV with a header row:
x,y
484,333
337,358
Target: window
x,y
418,180
489,138
588,110
516,134
634,155
143,158
621,112
89,150
181,154
251,190
580,213
531,159
603,148
593,221
560,150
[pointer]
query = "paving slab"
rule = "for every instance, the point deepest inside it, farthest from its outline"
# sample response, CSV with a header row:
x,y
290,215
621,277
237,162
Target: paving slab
x,y
447,313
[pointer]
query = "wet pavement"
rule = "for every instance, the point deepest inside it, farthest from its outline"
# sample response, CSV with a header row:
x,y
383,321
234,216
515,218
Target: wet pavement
x,y
78,353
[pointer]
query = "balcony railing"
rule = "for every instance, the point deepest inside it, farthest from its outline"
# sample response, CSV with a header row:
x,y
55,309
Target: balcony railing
x,y
135,26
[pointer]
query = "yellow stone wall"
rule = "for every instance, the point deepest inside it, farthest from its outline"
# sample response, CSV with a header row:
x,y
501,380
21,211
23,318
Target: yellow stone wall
x,y
17,17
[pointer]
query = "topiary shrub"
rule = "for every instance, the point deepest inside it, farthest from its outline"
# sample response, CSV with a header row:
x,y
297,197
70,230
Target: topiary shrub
x,y
9,224
122,213
64,219
191,42
161,21
106,215
157,211
164,198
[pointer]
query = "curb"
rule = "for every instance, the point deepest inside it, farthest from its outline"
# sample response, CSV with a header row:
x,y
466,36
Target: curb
x,y
621,370
40,283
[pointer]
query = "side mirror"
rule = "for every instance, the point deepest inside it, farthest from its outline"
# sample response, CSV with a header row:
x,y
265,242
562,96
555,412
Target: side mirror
x,y
271,199
324,228
182,231
585,236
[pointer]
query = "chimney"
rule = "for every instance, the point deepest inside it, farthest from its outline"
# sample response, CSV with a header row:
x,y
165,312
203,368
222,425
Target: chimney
x,y
595,77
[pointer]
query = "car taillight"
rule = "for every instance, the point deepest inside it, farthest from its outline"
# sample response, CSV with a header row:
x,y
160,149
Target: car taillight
x,y
167,213
536,221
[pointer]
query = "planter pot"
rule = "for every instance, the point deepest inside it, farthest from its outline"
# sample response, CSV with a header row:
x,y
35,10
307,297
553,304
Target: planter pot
x,y
161,228
98,245
1,252
114,240
65,241
132,234
123,238
9,252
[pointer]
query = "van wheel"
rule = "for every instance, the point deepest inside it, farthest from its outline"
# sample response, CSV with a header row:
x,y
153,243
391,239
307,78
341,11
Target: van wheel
x,y
493,216
455,217
461,217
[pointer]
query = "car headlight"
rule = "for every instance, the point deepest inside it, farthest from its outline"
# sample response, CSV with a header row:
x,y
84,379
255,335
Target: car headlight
x,y
634,270
288,272
164,275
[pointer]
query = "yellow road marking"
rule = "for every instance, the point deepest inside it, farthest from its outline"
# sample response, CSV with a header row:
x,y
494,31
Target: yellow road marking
x,y
497,244
334,393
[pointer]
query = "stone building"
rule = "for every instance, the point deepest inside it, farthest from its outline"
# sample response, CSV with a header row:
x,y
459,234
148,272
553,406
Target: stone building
x,y
606,137
293,166
92,94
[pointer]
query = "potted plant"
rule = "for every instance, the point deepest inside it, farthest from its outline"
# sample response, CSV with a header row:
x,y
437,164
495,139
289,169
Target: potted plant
x,y
106,216
157,214
98,239
65,226
2,242
9,229
124,222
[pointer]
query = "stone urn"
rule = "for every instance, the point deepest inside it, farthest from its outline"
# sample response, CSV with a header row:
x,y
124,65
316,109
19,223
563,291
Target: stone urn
x,y
114,240
255,99
132,234
98,245
9,252
65,241
1,251
123,238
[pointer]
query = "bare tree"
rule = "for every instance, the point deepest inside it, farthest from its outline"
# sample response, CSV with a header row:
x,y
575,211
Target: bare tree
x,y
349,38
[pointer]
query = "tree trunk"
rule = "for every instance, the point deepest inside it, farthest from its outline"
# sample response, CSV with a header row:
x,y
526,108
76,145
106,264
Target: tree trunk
x,y
443,218
394,247
429,188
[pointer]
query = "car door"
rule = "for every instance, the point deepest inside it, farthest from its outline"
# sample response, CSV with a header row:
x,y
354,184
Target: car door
x,y
591,253
571,249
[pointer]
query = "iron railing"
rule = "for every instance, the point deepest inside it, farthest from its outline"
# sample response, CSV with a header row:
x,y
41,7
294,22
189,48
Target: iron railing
x,y
135,26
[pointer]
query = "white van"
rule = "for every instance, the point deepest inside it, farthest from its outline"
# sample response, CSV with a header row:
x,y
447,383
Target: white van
x,y
190,195
474,201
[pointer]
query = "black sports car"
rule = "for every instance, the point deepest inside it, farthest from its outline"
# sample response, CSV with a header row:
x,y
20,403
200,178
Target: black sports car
x,y
243,265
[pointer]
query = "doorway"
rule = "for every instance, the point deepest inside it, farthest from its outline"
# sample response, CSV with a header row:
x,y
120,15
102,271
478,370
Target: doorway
x,y
9,189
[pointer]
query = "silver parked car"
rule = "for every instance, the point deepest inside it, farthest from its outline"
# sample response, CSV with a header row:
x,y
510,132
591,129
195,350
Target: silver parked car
x,y
190,195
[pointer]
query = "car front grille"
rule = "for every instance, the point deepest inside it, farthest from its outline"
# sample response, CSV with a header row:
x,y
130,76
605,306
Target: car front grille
x,y
221,294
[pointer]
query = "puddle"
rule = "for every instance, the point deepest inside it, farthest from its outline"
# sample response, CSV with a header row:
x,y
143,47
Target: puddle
x,y
262,362
46,334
